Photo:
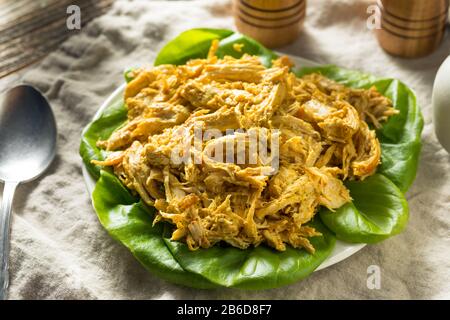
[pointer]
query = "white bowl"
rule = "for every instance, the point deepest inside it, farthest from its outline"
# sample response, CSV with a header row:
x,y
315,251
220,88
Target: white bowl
x,y
441,105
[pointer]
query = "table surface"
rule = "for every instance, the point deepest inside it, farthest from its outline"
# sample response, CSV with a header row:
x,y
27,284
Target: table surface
x,y
29,30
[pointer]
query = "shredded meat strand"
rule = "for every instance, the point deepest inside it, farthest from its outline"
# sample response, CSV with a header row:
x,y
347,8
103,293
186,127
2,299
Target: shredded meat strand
x,y
325,138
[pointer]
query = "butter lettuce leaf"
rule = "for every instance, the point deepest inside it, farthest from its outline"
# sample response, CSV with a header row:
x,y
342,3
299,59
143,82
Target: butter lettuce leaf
x,y
378,211
128,220
100,129
254,268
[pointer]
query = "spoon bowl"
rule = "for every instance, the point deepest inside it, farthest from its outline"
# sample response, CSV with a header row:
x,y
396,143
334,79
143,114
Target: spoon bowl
x,y
27,134
27,147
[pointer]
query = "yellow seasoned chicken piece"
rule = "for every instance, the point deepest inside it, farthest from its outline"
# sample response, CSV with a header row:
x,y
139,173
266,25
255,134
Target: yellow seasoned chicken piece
x,y
324,138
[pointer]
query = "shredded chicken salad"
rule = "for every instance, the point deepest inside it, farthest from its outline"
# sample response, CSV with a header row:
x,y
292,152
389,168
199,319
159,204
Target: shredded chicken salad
x,y
324,138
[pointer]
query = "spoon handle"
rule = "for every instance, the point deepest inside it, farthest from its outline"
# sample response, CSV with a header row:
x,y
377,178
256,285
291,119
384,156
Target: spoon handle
x,y
5,216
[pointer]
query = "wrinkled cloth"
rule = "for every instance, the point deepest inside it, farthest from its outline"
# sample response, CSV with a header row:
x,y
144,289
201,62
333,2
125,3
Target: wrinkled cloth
x,y
59,249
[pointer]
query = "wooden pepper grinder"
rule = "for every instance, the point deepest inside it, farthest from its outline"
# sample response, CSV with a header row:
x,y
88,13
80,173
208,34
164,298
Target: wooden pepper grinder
x,y
274,23
412,28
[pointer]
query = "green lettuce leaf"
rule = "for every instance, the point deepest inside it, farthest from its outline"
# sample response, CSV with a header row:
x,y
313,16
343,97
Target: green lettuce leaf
x,y
379,210
195,43
250,46
112,118
349,78
129,221
189,45
400,137
254,268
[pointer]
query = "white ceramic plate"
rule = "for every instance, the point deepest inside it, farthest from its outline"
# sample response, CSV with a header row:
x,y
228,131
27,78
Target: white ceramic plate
x,y
341,251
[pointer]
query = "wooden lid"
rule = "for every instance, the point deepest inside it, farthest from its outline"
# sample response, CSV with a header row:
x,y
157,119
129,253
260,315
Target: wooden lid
x,y
415,10
435,23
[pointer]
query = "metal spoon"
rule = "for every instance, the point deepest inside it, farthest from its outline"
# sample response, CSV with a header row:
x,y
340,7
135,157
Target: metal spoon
x,y
27,147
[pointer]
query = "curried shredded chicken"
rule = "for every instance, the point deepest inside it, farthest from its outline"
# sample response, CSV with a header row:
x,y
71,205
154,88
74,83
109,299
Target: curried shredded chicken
x,y
324,138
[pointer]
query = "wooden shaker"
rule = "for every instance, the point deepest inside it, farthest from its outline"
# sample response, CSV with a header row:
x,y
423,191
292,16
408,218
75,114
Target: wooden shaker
x,y
412,28
274,23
